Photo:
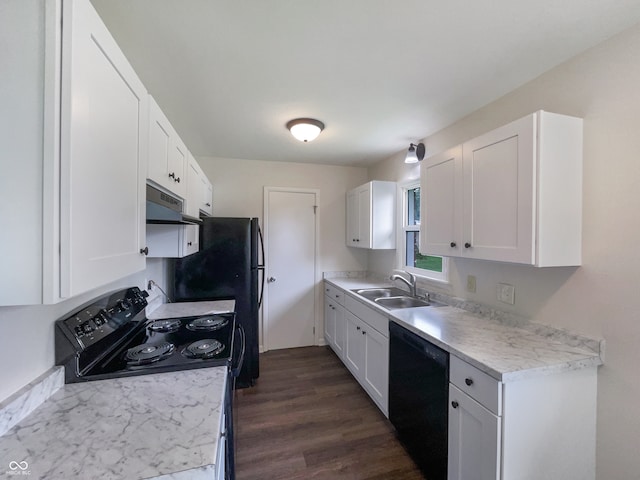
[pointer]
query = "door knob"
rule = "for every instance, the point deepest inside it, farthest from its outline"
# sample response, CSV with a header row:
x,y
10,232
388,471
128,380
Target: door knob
x,y
271,279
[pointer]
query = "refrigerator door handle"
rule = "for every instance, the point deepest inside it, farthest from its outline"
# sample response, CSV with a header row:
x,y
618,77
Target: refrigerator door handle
x,y
261,265
261,272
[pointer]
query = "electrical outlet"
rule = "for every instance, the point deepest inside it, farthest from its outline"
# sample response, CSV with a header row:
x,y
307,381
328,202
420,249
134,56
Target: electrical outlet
x,y
506,293
471,283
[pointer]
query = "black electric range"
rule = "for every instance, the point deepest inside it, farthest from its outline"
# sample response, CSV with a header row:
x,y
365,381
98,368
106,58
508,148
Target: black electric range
x,y
111,337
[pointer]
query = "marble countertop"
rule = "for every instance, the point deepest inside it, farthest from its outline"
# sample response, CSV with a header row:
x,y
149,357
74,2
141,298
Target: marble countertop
x,y
191,309
505,352
162,426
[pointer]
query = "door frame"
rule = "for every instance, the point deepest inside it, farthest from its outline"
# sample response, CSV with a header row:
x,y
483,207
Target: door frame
x,y
316,273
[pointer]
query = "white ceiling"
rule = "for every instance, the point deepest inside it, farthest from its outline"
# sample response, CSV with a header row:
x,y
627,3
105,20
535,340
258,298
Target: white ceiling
x,y
380,74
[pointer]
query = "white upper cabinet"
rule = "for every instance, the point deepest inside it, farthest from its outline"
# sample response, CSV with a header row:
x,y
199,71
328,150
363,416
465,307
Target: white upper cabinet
x,y
199,190
172,241
80,137
440,187
371,216
103,155
513,194
168,155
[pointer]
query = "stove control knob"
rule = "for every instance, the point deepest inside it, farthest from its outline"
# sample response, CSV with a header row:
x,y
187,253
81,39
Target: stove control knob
x,y
87,328
123,305
79,332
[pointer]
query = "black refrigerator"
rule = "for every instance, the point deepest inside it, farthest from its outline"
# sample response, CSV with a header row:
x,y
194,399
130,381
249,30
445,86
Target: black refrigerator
x,y
229,265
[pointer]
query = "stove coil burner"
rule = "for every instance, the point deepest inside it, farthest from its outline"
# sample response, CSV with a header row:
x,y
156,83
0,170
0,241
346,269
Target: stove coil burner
x,y
209,324
206,348
145,354
165,326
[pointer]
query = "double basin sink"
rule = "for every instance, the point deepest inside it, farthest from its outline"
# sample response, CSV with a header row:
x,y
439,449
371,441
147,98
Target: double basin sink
x,y
392,298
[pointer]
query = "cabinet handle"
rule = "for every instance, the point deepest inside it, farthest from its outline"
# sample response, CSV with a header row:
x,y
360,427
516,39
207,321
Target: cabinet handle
x,y
208,204
467,245
145,250
455,404
337,296
357,328
172,175
189,244
363,332
178,179
468,381
453,244
331,305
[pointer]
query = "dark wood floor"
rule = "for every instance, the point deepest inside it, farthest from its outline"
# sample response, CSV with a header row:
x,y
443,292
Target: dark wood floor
x,y
307,418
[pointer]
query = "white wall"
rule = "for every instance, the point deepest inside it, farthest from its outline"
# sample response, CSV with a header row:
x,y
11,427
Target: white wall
x,y
238,189
601,297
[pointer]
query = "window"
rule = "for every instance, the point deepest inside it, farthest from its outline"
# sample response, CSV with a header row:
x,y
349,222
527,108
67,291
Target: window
x,y
429,266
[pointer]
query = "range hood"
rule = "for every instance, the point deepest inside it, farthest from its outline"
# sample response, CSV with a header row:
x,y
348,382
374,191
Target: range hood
x,y
164,209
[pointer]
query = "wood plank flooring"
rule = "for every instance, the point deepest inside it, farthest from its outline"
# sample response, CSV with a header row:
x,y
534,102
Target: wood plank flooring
x,y
307,418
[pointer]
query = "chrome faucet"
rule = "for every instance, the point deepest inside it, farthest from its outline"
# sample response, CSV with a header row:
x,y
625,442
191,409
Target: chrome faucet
x,y
411,283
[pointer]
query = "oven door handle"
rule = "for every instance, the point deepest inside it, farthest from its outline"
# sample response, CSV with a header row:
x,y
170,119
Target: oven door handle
x,y
235,371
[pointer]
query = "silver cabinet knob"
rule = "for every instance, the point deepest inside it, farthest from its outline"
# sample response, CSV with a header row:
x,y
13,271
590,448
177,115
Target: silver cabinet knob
x,y
271,279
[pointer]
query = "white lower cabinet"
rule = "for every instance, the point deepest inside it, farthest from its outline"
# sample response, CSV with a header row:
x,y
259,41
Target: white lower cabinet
x,y
474,439
335,326
527,429
221,454
366,349
360,337
354,355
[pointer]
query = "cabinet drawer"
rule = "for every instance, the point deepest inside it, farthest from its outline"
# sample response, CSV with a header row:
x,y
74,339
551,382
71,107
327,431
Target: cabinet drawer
x,y
477,384
368,315
334,294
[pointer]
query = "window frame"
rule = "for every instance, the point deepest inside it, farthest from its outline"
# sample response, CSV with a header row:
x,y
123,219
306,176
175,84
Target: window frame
x,y
404,227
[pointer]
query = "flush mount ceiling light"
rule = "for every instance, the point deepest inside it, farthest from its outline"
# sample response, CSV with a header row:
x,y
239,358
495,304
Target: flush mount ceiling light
x,y
305,129
415,153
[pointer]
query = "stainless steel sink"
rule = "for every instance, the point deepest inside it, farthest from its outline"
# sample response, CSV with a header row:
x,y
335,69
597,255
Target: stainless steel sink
x,y
402,301
373,293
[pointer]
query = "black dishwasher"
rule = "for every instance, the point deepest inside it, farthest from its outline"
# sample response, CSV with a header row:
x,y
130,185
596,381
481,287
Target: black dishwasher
x,y
418,399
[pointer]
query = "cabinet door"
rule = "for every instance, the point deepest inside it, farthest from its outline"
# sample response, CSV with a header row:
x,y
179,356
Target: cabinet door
x,y
160,132
103,156
353,221
364,216
206,190
178,166
440,197
191,239
329,321
474,439
194,188
341,330
355,347
376,369
499,195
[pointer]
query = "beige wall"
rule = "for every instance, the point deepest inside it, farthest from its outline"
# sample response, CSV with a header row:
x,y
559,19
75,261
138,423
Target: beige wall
x,y
601,297
238,190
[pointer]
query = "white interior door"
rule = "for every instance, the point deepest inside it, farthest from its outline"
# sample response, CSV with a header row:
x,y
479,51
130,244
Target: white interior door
x,y
290,242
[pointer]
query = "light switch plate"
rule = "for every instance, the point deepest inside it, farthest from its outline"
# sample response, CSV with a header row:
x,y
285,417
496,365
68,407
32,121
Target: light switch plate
x,y
506,293
471,283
